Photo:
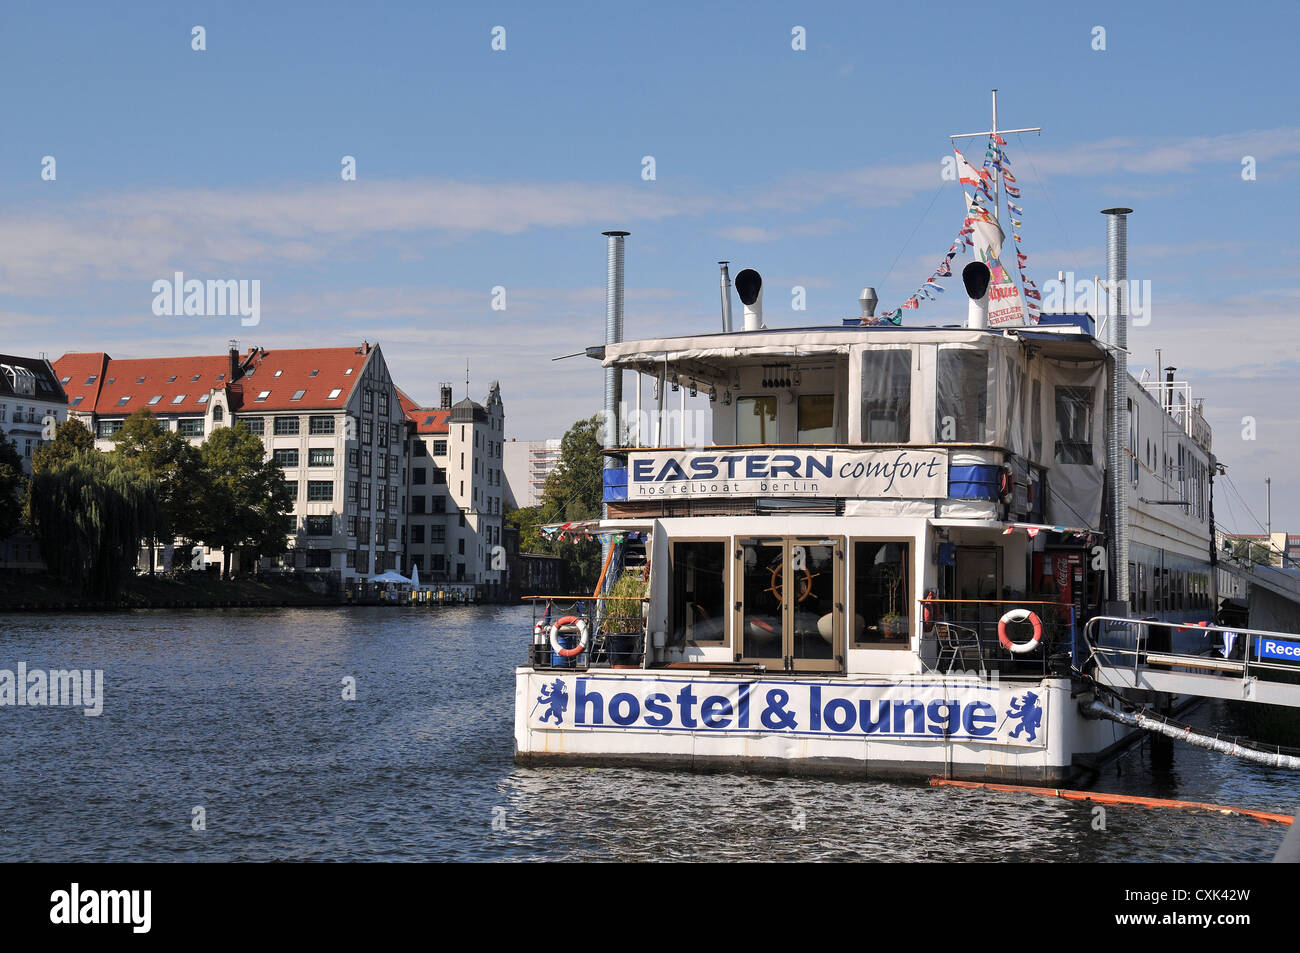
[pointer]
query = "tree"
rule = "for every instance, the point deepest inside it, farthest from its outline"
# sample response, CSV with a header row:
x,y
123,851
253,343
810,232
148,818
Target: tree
x,y
70,438
12,487
574,491
243,499
166,457
89,516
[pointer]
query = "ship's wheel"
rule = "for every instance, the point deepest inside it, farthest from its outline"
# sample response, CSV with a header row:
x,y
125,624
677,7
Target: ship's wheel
x,y
804,581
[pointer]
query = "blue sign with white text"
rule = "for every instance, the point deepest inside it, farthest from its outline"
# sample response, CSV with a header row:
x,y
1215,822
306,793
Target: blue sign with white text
x,y
1277,649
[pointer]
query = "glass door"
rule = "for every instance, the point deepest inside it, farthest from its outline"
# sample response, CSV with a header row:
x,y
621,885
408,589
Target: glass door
x,y
814,604
790,611
760,619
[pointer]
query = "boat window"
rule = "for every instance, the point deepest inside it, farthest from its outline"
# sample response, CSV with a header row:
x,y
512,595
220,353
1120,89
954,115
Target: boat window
x,y
1036,419
882,593
756,420
816,418
1074,425
1015,421
962,396
887,396
699,598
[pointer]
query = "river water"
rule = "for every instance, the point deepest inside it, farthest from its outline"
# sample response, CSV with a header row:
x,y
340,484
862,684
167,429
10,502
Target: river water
x,y
240,713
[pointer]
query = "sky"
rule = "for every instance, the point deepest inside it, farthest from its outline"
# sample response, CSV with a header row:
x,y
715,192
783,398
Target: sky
x,y
481,169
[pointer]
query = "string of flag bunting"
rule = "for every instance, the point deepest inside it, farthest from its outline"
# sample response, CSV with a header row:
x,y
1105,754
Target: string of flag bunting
x,y
588,529
978,218
996,157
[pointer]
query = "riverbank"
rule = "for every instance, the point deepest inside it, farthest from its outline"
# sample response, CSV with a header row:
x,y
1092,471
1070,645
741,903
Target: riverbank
x,y
38,592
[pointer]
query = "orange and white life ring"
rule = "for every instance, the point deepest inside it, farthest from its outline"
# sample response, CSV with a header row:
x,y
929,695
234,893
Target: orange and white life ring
x,y
580,625
1020,615
930,610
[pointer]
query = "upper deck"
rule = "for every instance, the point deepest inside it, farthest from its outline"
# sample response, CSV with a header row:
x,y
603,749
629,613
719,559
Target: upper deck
x,y
873,421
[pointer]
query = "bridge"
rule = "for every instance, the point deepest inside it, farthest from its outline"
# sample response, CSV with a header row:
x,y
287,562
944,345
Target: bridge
x,y
1258,666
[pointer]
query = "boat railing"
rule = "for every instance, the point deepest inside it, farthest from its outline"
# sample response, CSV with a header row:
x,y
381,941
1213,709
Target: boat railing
x,y
968,634
1136,645
583,632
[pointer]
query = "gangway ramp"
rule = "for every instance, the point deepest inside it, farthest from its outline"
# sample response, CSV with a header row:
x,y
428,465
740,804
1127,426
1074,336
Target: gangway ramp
x,y
1124,659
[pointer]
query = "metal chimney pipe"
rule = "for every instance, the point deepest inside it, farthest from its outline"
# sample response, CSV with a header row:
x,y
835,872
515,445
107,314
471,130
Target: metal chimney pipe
x,y
749,286
868,300
613,334
1117,438
726,297
613,376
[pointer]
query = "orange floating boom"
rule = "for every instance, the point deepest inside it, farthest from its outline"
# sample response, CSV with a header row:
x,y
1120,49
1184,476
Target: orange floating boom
x,y
1103,798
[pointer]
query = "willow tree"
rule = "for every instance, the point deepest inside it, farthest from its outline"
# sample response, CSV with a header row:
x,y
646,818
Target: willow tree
x,y
89,516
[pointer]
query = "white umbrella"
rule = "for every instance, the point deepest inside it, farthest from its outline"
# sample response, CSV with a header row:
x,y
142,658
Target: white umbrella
x,y
415,575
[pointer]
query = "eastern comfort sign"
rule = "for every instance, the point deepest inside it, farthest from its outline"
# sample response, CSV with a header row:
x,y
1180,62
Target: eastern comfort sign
x,y
902,474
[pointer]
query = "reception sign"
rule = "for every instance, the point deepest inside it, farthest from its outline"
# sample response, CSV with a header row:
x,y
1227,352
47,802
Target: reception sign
x,y
893,474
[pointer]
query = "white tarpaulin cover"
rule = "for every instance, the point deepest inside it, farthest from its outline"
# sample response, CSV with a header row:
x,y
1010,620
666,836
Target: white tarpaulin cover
x,y
1076,449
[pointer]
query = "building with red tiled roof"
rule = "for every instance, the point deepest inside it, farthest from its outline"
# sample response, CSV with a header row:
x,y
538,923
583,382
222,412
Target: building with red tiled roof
x,y
329,416
377,481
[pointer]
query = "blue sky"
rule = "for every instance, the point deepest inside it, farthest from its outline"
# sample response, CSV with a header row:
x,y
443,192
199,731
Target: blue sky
x,y
479,168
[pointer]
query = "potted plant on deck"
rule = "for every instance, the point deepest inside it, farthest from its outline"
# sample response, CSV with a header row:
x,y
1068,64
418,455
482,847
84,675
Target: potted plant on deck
x,y
894,624
623,622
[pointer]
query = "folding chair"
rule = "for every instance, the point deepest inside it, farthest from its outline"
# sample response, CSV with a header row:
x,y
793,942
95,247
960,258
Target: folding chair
x,y
958,642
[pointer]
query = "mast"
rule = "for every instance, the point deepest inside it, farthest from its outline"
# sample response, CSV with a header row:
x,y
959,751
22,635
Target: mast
x,y
991,132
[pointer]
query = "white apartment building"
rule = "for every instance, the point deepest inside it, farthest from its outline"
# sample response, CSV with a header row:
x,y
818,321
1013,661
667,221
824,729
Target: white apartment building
x,y
527,465
455,490
31,400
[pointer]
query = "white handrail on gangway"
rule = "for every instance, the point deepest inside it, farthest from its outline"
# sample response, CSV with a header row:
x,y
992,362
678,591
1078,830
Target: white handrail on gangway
x,y
1137,666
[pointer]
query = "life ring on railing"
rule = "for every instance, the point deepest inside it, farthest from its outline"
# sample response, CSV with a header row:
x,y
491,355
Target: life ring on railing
x,y
929,611
1020,615
1006,485
580,625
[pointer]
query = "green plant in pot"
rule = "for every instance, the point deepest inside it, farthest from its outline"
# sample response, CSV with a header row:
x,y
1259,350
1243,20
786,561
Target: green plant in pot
x,y
623,622
894,624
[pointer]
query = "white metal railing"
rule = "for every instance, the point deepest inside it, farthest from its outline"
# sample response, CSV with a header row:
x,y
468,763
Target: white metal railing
x,y
1188,412
1138,656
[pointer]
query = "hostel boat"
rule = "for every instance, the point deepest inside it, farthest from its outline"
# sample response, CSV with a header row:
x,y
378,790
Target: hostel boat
x,y
883,563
